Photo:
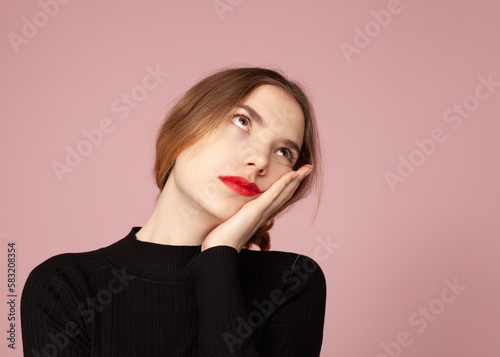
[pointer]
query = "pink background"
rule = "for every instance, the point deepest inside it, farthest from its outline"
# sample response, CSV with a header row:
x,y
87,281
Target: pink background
x,y
390,251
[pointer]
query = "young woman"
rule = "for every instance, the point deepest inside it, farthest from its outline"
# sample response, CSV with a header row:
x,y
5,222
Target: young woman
x,y
236,150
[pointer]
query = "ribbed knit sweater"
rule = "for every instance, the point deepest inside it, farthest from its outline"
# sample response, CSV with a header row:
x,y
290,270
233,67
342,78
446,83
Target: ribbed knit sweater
x,y
135,298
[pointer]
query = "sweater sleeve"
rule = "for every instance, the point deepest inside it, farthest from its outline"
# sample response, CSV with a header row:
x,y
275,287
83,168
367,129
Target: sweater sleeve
x,y
49,323
295,310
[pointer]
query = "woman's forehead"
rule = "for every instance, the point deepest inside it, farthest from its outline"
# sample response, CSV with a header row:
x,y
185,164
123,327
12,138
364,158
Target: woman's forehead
x,y
272,107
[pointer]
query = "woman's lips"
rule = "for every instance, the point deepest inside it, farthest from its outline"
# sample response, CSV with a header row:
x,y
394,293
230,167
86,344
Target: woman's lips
x,y
241,185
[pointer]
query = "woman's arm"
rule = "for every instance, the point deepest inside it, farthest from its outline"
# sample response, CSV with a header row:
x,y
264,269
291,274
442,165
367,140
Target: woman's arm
x,y
292,330
220,301
296,328
295,311
49,322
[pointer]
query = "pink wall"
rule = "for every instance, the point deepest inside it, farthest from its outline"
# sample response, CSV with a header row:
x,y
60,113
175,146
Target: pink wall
x,y
404,219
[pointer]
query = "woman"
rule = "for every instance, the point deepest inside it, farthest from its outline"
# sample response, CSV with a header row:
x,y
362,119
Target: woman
x,y
235,151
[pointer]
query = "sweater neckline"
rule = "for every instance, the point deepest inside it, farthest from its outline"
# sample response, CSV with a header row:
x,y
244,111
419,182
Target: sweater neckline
x,y
150,260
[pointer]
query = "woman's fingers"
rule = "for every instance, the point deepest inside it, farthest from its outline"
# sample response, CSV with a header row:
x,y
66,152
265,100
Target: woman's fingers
x,y
283,189
239,228
275,197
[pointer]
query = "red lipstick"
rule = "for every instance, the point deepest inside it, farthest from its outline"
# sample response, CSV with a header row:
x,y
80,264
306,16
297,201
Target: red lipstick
x,y
240,185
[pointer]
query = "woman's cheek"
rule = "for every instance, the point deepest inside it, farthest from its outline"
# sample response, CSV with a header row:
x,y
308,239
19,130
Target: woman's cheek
x,y
241,143
275,172
282,164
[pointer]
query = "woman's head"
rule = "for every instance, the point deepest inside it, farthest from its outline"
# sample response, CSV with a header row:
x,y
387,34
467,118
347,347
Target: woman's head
x,y
220,115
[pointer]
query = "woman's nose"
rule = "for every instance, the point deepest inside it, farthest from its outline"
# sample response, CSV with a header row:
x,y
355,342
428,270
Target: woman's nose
x,y
257,159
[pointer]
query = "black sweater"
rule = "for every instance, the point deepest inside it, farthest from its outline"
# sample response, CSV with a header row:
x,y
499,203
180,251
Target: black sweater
x,y
135,298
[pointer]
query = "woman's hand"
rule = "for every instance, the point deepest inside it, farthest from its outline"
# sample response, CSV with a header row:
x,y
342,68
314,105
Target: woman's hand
x,y
237,230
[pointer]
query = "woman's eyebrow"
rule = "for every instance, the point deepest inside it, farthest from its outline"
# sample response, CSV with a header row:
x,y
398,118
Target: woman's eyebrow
x,y
256,116
292,144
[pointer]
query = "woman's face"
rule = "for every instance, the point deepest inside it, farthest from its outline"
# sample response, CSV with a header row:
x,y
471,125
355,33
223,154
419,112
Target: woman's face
x,y
259,142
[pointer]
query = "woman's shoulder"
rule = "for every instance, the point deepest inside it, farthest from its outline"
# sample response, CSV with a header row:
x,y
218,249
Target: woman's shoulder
x,y
286,266
276,259
80,261
62,269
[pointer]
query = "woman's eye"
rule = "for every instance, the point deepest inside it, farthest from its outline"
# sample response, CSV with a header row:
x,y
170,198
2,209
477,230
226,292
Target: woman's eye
x,y
242,121
286,153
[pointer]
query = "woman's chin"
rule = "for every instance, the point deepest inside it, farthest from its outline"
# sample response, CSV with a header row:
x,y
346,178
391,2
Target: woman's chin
x,y
227,209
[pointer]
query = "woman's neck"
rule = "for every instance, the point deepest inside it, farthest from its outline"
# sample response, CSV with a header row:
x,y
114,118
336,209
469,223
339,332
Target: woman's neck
x,y
176,222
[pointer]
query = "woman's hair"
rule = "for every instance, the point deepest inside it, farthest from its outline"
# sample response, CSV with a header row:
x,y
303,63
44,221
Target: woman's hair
x,y
209,103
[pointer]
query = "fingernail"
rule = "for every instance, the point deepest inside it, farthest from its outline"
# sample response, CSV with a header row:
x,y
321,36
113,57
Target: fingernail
x,y
308,172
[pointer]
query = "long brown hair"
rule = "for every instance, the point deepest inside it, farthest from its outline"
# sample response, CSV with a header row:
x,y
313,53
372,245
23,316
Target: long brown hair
x,y
208,103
